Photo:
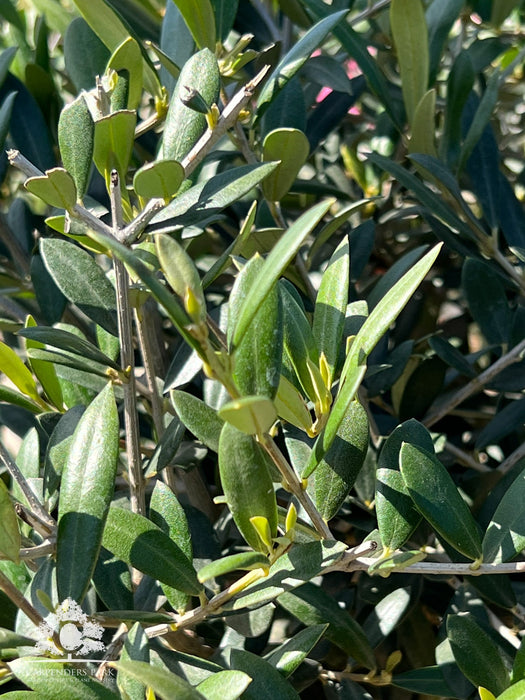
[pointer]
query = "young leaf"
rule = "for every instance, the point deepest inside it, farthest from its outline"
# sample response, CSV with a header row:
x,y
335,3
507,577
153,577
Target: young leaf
x,y
266,680
275,264
76,133
141,544
291,148
382,316
476,654
252,415
245,561
44,371
86,491
336,473
409,30
184,126
290,654
164,683
162,178
181,273
127,59
515,692
113,144
257,359
9,533
437,498
81,280
505,537
224,685
56,188
330,306
246,482
313,606
13,367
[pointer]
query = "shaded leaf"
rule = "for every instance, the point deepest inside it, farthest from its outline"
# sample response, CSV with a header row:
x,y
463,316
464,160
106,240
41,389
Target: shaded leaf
x,y
199,418
165,685
505,535
10,539
290,654
291,148
266,680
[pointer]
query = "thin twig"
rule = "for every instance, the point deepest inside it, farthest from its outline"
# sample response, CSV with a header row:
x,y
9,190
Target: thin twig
x,y
476,384
19,601
434,568
512,459
465,458
131,422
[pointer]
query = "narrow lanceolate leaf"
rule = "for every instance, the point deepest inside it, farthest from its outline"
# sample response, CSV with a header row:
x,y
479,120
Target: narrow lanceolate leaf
x,y
295,58
76,133
9,532
245,561
338,470
44,371
312,606
289,655
182,275
143,545
330,305
504,538
41,676
266,680
246,482
423,127
382,316
225,685
164,683
291,148
184,126
476,654
437,498
81,280
258,357
199,418
409,30
397,516
13,367
275,264
200,19
87,488
56,188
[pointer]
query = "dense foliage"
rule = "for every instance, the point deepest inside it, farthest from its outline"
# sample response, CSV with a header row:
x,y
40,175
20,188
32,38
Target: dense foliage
x,y
262,363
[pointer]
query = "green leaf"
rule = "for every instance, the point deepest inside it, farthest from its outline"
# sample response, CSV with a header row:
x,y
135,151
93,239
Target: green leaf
x,y
200,19
165,685
330,306
182,275
13,367
290,654
162,178
437,498
423,126
515,692
247,483
245,561
487,300
257,359
44,371
85,55
266,680
13,397
312,606
127,60
199,418
81,280
110,28
476,654
10,539
291,148
135,649
387,615
409,31
224,685
63,340
41,676
428,681
5,116
168,514
184,126
253,415
397,517
225,12
76,133
85,494
301,563
208,198
141,544
376,324
275,264
56,188
337,472
505,535
295,58
113,144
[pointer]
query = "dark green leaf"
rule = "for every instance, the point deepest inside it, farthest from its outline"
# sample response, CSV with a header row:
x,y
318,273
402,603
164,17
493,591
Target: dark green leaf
x,y
58,449
387,615
451,355
476,654
165,685
200,18
290,654
245,561
76,132
437,498
266,680
199,418
63,340
81,280
440,16
225,12
143,545
41,676
426,681
225,685
84,54
505,535
86,491
487,300
311,605
10,539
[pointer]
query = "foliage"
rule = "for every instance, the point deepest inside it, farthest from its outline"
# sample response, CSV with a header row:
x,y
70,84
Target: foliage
x,y
262,349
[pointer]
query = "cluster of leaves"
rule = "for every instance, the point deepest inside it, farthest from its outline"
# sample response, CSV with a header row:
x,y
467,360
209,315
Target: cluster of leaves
x,y
262,319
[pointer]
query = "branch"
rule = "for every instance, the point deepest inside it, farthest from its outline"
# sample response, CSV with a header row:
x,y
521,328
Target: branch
x,y
431,567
